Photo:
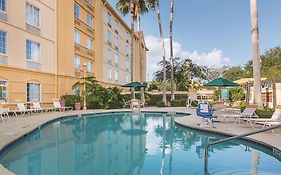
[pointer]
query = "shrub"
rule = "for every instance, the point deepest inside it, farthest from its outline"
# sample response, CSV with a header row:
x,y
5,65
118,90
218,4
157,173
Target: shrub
x,y
70,100
160,104
264,113
178,103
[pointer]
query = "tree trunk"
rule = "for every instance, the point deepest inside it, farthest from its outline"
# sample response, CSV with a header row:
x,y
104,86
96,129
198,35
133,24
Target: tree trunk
x,y
140,52
163,52
256,54
171,51
132,11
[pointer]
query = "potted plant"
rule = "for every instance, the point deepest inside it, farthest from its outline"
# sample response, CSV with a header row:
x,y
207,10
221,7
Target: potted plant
x,y
77,105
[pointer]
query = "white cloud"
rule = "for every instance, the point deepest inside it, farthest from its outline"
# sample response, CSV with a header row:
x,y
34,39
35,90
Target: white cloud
x,y
154,55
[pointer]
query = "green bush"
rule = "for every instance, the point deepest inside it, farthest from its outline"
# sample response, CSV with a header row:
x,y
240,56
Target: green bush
x,y
264,113
153,99
70,100
178,103
160,104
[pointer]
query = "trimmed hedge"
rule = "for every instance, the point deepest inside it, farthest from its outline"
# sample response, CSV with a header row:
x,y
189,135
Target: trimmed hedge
x,y
178,103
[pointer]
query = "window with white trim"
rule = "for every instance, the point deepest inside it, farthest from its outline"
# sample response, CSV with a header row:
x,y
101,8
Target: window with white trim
x,y
32,15
116,75
76,90
127,64
116,42
116,25
89,66
3,42
109,18
90,43
109,73
89,20
109,55
76,10
3,90
127,51
77,36
32,51
3,5
127,36
109,36
90,2
33,92
116,59
77,62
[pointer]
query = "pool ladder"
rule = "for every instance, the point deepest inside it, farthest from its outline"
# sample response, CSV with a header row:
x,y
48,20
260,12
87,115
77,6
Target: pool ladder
x,y
232,138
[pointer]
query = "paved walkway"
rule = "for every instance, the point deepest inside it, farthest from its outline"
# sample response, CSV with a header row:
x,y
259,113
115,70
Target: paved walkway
x,y
19,126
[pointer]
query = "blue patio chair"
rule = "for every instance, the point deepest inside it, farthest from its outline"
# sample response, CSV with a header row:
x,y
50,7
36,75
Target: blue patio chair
x,y
205,111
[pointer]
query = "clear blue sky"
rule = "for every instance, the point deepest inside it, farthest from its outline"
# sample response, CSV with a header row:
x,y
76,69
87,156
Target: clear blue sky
x,y
204,25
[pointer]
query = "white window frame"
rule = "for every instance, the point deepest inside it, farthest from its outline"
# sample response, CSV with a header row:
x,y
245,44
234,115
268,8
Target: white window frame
x,y
4,91
109,36
90,43
116,58
109,55
77,36
90,20
5,43
116,25
89,2
117,41
89,66
77,7
116,75
109,73
28,93
127,64
33,59
77,62
5,10
27,20
109,18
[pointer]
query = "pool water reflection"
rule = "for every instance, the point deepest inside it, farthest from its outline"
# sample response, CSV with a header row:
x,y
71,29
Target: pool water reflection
x,y
126,144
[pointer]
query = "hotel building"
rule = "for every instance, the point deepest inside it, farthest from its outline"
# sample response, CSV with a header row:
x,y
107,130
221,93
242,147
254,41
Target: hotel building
x,y
46,47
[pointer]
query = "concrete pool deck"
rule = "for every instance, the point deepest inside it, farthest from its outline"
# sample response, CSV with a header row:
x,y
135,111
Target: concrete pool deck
x,y
19,126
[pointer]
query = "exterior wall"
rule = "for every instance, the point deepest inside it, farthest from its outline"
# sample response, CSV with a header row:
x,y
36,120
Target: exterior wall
x,y
15,71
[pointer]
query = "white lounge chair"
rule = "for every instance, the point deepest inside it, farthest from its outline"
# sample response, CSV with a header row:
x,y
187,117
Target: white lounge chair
x,y
248,112
57,106
23,110
4,112
37,106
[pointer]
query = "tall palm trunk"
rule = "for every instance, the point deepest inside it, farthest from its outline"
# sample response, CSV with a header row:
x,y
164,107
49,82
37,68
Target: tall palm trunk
x,y
132,11
171,51
163,52
140,51
256,54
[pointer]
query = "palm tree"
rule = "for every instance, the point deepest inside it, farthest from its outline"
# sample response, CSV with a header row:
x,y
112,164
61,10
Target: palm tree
x,y
256,54
163,52
137,7
171,50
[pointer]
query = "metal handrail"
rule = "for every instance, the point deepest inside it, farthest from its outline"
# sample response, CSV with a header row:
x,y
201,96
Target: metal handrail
x,y
232,138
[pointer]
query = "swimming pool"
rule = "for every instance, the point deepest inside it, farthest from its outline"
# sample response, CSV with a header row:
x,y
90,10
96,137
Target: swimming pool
x,y
127,144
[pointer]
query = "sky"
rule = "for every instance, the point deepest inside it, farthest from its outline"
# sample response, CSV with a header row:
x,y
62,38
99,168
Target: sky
x,y
210,32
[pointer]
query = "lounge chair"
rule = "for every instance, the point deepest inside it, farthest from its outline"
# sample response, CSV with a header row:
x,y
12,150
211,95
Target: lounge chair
x,y
23,110
205,111
4,112
37,106
57,106
248,112
135,104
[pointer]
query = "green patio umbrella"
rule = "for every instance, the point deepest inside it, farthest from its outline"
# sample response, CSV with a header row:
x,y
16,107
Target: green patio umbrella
x,y
221,82
134,85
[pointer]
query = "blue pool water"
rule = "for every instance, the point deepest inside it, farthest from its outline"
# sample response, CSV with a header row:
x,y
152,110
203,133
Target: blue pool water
x,y
123,144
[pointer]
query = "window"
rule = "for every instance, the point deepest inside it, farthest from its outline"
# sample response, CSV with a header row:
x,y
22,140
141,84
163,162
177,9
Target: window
x,y
127,78
127,37
109,18
3,5
3,42
3,90
76,10
90,1
116,59
76,90
89,66
109,36
32,15
77,37
116,25
109,73
109,55
127,64
90,43
77,62
116,42
127,51
32,51
33,92
116,75
89,20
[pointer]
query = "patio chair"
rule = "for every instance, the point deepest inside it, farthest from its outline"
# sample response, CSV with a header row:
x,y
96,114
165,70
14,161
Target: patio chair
x,y
21,109
4,112
135,104
37,106
205,111
57,106
142,103
248,112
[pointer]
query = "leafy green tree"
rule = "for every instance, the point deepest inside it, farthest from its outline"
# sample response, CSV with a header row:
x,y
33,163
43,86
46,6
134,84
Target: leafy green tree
x,y
234,73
